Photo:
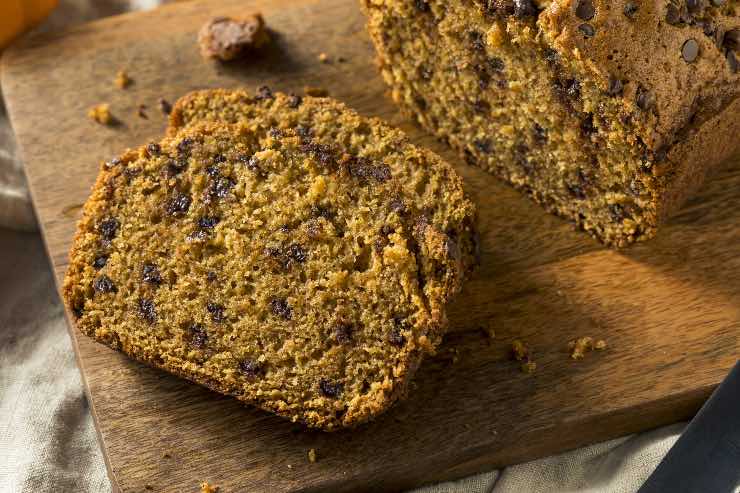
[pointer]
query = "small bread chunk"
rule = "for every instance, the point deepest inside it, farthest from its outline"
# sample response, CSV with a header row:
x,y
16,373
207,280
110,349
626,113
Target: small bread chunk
x,y
226,38
300,261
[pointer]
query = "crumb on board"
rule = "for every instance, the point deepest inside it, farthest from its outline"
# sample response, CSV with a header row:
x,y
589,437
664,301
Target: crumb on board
x,y
148,487
101,114
317,92
290,466
323,57
206,487
579,347
166,455
226,38
122,79
141,112
341,59
312,456
520,352
165,106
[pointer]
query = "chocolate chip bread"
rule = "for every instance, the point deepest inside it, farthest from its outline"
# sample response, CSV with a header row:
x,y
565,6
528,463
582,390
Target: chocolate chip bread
x,y
608,113
300,262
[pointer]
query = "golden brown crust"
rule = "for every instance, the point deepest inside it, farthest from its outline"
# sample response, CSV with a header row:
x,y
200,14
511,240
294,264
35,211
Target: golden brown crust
x,y
161,219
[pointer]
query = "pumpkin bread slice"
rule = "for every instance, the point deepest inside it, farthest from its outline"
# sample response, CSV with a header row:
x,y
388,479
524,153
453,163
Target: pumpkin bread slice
x,y
302,268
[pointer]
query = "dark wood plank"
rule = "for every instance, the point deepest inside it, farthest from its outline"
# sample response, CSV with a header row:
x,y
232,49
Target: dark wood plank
x,y
670,309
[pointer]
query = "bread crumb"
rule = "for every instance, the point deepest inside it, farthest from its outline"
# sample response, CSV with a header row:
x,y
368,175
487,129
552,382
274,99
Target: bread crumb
x,y
101,114
312,456
323,57
290,467
122,79
207,488
166,455
579,347
341,59
141,112
225,38
316,92
519,350
148,487
521,353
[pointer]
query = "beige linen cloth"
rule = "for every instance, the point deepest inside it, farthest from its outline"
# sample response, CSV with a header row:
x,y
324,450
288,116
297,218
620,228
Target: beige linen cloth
x,y
47,439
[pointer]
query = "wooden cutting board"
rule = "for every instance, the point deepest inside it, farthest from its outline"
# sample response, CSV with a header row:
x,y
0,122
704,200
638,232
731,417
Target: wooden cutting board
x,y
669,309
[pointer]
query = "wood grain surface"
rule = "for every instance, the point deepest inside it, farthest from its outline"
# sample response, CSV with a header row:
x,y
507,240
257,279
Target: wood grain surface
x,y
669,309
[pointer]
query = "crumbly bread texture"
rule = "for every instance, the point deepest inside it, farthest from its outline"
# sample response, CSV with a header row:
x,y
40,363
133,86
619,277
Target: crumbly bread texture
x,y
608,113
300,262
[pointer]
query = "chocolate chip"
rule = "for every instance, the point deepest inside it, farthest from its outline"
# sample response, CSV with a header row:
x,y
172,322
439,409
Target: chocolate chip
x,y
207,222
587,30
551,56
304,131
616,212
164,106
198,335
695,6
294,101
275,133
425,73
150,274
395,337
496,64
630,9
364,170
250,368
280,307
296,253
175,167
525,8
153,149
184,146
220,188
343,333
645,99
690,50
539,134
211,276
147,310
213,171
587,125
104,284
673,15
108,228
476,41
420,102
179,204
481,106
330,389
263,93
585,10
217,312
482,145
615,86
100,261
422,6
324,154
398,206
